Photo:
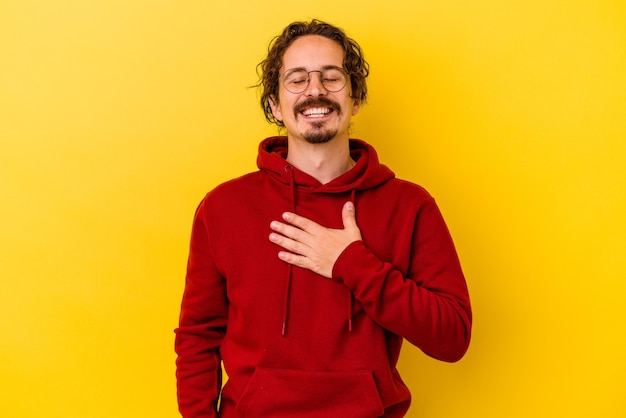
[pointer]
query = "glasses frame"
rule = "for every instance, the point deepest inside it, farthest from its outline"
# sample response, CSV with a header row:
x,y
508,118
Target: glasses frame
x,y
308,81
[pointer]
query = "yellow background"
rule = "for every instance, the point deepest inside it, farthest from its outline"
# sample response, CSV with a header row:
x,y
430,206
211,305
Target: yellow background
x,y
117,116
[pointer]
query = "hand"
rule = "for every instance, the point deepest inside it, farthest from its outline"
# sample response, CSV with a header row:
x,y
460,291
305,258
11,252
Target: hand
x,y
312,246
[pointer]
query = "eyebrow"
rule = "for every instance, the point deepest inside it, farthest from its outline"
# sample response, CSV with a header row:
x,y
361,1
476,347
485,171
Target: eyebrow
x,y
325,67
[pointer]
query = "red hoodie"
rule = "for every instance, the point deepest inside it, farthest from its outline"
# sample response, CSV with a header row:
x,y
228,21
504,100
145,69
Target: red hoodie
x,y
295,344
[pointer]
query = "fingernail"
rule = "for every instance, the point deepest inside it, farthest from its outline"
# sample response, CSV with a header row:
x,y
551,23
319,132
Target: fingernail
x,y
286,216
349,206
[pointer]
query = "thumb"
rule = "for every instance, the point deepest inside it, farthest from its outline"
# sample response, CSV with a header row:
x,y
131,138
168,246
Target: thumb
x,y
348,215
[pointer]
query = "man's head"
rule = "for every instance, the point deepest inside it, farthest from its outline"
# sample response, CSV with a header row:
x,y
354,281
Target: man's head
x,y
326,46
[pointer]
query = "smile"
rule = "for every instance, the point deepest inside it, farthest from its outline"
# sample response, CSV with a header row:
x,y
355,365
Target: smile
x,y
316,112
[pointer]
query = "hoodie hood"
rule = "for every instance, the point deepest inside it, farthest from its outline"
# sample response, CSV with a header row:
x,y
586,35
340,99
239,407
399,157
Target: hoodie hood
x,y
367,172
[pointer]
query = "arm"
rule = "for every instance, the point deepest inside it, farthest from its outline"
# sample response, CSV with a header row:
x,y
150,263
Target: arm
x,y
202,326
429,306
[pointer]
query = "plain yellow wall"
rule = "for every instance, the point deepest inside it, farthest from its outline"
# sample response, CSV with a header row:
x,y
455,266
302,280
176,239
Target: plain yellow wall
x,y
117,116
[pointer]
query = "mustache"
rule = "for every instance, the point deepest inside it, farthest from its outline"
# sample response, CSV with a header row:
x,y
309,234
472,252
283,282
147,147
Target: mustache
x,y
317,102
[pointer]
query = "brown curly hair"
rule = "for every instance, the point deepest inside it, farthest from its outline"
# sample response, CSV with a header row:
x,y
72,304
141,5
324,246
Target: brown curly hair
x,y
268,69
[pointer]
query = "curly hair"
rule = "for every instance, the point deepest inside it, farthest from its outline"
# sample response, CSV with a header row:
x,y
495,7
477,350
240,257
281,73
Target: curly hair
x,y
268,69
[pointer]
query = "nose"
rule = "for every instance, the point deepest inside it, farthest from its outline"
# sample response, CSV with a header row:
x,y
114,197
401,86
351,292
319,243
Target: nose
x,y
315,87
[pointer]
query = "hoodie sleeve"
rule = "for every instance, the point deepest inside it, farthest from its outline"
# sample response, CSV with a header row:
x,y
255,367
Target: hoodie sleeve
x,y
430,305
202,326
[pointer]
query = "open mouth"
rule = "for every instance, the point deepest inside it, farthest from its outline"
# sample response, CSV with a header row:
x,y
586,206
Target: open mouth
x,y
316,112
317,108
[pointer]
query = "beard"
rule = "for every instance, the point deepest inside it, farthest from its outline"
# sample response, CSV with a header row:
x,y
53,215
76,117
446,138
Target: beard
x,y
318,134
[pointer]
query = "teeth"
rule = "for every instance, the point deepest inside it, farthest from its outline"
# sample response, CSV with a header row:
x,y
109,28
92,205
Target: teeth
x,y
316,111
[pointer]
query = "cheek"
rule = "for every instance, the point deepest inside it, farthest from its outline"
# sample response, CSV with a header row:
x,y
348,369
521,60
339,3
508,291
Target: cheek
x,y
285,108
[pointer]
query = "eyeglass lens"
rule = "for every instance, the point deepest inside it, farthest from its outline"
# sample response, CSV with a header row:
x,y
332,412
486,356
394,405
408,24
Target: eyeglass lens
x,y
297,80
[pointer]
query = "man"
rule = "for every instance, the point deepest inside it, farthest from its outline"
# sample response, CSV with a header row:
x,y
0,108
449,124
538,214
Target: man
x,y
305,277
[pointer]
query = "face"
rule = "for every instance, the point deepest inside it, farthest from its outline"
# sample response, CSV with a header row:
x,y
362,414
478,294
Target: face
x,y
315,115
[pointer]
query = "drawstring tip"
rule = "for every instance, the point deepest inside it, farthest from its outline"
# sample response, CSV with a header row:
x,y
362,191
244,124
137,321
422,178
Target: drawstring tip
x,y
284,330
350,325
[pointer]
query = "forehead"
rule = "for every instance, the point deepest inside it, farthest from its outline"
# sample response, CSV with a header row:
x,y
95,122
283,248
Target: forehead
x,y
312,52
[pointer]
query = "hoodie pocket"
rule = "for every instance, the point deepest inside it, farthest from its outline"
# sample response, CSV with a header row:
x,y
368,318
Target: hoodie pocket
x,y
279,393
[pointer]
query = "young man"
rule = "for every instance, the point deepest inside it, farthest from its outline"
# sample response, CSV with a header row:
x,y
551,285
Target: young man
x,y
305,276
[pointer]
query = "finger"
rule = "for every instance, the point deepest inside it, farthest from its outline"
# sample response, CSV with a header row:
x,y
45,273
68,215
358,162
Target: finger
x,y
300,221
285,229
291,232
287,243
349,216
295,259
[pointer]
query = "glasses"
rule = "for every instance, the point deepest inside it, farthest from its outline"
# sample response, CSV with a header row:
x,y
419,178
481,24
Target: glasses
x,y
296,80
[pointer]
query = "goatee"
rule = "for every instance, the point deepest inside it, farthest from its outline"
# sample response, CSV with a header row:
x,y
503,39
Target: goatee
x,y
318,135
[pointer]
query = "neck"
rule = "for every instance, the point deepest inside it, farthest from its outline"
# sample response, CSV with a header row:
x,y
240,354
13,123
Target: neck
x,y
324,162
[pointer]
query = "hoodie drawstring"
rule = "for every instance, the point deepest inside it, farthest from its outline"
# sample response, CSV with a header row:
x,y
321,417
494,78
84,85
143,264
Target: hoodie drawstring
x,y
350,295
292,183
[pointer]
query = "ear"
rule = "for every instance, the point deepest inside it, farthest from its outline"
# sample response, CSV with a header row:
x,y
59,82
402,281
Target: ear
x,y
276,108
356,106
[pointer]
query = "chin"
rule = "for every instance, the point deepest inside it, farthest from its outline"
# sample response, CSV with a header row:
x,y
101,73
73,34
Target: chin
x,y
318,139
319,136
